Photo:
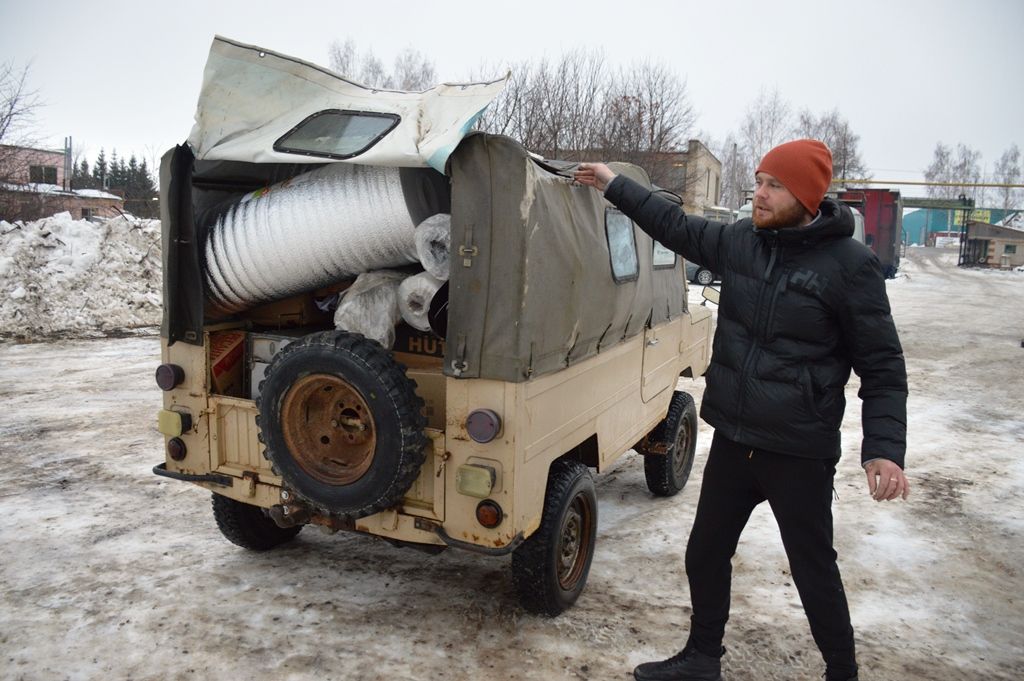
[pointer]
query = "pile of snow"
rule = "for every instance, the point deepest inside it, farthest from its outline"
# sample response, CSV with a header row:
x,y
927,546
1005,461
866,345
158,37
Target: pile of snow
x,y
60,276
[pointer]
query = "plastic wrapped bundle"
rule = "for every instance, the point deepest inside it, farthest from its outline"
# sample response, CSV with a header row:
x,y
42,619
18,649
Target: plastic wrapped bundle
x,y
414,296
370,306
310,231
433,244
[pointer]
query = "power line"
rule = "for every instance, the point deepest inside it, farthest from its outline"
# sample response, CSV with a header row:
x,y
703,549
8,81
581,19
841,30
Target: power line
x,y
999,185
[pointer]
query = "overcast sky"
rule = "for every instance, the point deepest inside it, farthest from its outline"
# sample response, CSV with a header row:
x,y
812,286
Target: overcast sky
x,y
906,74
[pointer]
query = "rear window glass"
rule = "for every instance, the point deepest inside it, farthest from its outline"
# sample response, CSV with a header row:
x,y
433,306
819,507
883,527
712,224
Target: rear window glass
x,y
621,246
664,258
337,134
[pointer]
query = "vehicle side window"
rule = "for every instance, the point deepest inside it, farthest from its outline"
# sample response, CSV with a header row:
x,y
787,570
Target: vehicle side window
x,y
337,134
621,246
664,258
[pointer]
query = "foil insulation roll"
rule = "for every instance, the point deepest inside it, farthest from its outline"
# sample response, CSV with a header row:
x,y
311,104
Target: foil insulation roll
x,y
433,244
310,231
414,296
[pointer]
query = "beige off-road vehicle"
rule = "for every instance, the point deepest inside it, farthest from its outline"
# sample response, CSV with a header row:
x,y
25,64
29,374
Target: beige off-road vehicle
x,y
564,337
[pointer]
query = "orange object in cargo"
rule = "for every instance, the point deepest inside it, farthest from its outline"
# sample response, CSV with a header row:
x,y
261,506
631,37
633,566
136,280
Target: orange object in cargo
x,y
226,349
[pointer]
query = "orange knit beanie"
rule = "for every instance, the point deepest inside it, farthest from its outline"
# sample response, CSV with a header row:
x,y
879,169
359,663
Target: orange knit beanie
x,y
804,167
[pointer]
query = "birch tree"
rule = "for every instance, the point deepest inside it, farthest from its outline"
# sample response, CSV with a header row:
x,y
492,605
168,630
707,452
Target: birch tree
x,y
1008,171
835,131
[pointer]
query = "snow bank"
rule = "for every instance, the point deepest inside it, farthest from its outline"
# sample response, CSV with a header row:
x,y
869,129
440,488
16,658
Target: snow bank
x,y
60,276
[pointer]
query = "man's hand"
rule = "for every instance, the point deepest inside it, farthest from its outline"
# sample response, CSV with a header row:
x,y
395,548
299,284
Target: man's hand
x,y
596,175
886,480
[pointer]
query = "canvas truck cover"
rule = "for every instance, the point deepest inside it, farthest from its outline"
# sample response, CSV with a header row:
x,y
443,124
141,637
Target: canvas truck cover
x,y
532,289
253,98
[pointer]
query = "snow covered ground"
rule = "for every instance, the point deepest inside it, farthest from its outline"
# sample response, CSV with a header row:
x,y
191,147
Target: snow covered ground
x,y
110,572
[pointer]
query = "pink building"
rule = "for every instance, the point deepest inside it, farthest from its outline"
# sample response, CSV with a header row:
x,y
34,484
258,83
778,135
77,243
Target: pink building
x,y
33,186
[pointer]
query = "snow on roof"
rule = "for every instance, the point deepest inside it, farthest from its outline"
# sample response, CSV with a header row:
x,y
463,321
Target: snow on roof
x,y
96,194
37,188
1013,221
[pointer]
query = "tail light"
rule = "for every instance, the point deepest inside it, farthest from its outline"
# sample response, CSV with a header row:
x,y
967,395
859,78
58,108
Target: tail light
x,y
176,448
169,376
483,425
489,514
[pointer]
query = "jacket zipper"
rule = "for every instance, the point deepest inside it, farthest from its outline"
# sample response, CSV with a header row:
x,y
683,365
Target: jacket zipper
x,y
780,290
755,345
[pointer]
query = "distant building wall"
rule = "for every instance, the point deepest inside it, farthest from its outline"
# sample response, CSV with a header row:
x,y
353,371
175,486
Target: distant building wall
x,y
918,225
994,246
704,179
26,204
36,166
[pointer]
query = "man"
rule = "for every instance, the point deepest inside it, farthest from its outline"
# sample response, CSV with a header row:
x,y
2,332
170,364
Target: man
x,y
801,304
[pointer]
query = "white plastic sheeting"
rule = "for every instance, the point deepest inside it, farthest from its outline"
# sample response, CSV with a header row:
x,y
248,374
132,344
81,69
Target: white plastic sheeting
x,y
433,244
310,231
251,97
370,306
414,296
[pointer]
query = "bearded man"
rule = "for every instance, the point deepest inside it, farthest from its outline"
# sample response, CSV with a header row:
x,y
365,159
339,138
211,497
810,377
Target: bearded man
x,y
802,303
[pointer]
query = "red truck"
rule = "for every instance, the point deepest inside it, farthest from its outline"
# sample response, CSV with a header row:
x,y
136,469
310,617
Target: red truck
x,y
883,222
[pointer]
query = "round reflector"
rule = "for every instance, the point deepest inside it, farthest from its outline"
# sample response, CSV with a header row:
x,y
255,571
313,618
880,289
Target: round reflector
x,y
169,376
483,425
489,514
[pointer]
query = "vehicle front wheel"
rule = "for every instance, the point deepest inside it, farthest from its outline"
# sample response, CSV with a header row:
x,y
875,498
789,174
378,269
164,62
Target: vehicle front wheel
x,y
248,526
667,473
550,568
704,277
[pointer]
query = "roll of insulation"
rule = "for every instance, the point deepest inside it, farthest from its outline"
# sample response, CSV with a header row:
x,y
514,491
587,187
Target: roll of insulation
x,y
433,244
370,306
414,296
315,229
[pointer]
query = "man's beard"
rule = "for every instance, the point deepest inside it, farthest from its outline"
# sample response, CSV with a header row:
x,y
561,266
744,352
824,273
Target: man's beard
x,y
781,218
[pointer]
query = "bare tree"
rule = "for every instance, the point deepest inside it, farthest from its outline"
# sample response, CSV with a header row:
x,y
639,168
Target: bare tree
x,y
834,130
574,108
647,119
737,172
18,105
412,70
956,174
940,170
1008,171
343,59
767,123
552,107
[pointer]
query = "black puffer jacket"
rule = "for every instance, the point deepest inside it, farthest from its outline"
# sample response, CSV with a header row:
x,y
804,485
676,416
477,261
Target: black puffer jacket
x,y
799,308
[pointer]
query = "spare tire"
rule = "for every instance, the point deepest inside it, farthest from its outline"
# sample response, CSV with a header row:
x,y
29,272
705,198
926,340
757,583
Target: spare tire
x,y
342,423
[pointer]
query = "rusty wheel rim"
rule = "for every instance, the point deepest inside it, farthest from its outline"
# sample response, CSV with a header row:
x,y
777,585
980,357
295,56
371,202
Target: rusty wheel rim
x,y
682,448
328,428
574,542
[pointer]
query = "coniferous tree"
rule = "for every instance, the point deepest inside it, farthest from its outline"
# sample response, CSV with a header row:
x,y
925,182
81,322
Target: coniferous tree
x,y
113,179
99,170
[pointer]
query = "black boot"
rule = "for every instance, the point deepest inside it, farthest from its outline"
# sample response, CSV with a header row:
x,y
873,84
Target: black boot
x,y
687,665
833,677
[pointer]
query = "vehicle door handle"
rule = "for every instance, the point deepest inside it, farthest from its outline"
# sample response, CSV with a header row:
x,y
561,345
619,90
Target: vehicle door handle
x,y
652,342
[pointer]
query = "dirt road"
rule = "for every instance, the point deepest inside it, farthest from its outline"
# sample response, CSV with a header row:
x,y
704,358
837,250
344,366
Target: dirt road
x,y
110,572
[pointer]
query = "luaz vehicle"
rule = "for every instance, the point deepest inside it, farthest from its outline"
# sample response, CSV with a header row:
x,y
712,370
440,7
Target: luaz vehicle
x,y
565,335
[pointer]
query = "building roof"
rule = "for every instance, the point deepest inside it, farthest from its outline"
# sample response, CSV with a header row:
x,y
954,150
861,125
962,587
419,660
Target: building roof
x,y
36,188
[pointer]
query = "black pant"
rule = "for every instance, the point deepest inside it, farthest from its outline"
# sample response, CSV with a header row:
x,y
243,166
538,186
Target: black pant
x,y
736,479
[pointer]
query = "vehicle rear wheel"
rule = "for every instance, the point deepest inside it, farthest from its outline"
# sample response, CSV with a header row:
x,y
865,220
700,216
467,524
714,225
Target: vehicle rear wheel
x,y
550,568
342,423
667,473
704,277
248,526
